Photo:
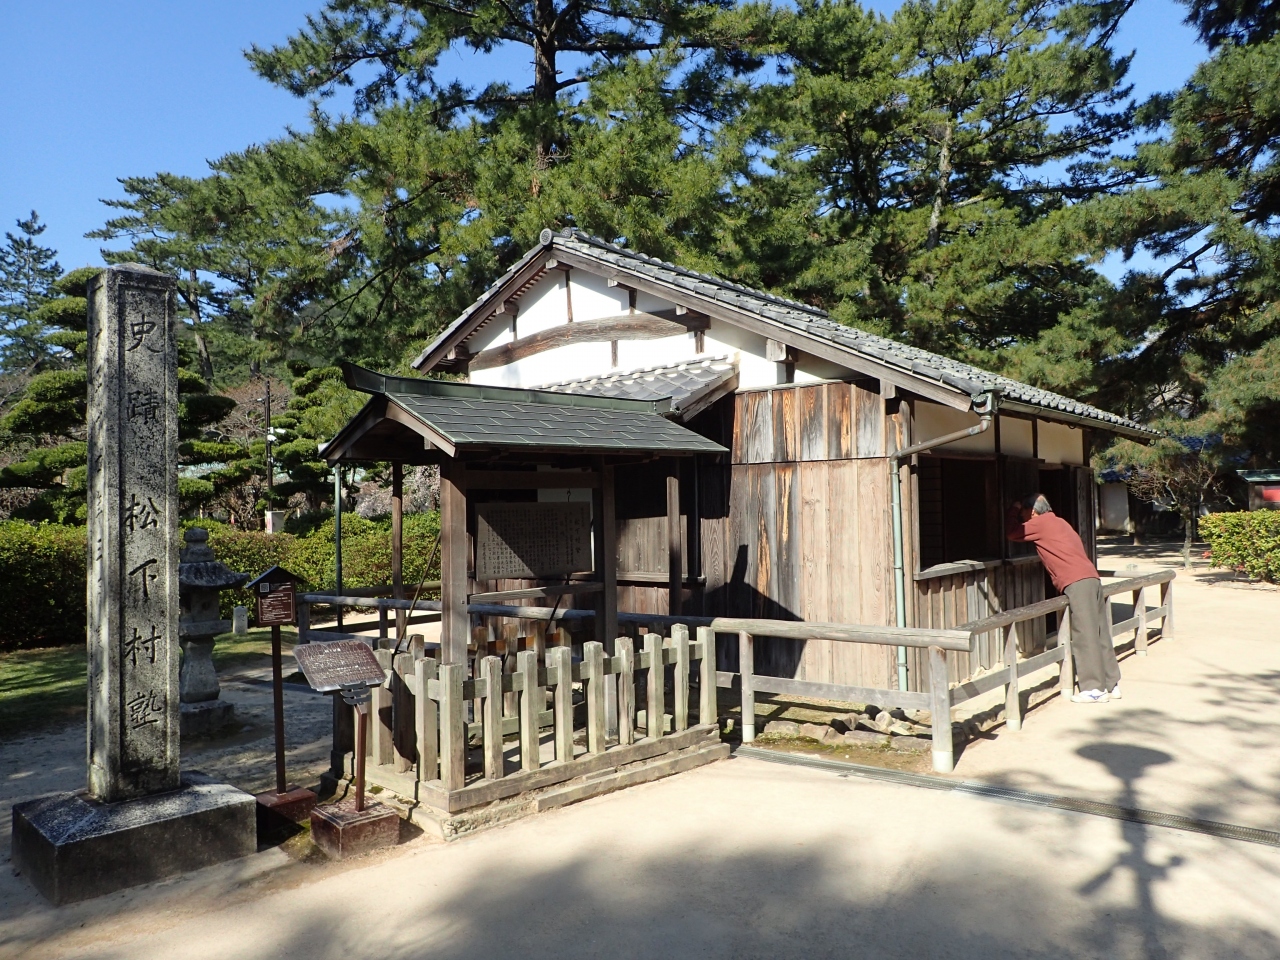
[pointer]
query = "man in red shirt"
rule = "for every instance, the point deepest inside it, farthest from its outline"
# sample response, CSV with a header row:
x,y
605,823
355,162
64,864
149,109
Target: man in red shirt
x,y
1032,520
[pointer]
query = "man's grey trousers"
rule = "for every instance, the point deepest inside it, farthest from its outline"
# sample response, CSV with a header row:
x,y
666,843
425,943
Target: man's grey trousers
x,y
1095,657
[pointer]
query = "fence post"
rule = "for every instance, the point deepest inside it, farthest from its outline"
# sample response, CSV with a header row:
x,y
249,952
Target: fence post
x,y
1067,677
655,707
402,718
707,677
1012,702
381,708
594,675
490,687
1140,612
562,659
453,727
680,709
425,722
940,708
532,700
1110,620
1166,601
746,669
304,622
626,690
382,627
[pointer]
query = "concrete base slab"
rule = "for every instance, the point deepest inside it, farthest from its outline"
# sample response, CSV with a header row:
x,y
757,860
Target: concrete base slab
x,y
71,847
280,813
206,718
341,831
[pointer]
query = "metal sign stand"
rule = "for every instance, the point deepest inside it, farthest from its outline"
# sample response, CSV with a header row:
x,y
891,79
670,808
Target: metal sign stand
x,y
359,695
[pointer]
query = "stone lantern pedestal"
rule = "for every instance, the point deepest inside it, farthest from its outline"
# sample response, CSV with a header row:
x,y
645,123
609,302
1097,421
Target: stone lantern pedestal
x,y
200,578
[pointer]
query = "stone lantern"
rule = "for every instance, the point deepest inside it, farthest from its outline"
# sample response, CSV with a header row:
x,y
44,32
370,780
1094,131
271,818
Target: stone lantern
x,y
200,578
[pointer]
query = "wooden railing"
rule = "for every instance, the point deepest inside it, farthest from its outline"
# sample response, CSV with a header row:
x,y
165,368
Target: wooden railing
x,y
1011,621
427,735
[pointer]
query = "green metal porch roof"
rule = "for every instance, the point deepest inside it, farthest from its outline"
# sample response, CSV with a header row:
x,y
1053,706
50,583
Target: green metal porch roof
x,y
456,417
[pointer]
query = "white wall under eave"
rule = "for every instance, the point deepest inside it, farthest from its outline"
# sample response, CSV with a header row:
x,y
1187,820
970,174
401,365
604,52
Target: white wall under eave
x,y
934,420
1016,437
1060,443
543,305
724,339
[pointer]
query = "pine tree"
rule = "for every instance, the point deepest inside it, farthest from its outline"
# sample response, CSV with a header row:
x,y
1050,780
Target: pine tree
x,y
27,275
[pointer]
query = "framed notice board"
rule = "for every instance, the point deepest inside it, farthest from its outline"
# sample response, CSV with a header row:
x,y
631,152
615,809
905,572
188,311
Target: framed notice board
x,y
532,540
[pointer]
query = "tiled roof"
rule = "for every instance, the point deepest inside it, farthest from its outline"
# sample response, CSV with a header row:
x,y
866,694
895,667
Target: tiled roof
x,y
786,314
472,415
684,383
815,322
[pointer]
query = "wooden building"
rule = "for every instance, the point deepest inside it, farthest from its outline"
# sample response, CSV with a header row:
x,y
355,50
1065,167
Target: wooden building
x,y
797,520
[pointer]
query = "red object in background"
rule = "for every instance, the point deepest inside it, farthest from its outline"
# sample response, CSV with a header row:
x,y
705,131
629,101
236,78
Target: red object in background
x,y
1270,494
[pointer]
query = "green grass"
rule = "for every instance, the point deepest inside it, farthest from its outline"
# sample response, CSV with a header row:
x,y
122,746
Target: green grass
x,y
39,688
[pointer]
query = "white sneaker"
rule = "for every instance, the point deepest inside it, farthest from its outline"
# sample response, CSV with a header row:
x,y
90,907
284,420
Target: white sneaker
x,y
1091,696
1115,693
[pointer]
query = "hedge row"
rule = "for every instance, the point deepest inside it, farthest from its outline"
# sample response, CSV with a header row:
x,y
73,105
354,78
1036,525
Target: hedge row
x,y
42,568
1245,541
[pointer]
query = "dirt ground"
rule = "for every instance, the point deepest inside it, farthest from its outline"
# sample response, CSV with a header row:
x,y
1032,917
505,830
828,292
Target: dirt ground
x,y
746,858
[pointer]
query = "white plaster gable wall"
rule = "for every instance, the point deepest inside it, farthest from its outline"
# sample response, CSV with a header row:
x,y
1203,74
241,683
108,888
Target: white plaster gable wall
x,y
544,306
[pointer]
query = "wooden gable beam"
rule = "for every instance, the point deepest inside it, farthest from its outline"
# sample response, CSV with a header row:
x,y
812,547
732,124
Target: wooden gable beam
x,y
627,326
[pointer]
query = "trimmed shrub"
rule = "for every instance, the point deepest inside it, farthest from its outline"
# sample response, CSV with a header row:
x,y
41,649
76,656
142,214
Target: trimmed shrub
x,y
42,568
42,584
1248,541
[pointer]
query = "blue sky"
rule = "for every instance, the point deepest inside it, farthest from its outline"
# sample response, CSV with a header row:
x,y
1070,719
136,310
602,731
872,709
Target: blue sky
x,y
93,91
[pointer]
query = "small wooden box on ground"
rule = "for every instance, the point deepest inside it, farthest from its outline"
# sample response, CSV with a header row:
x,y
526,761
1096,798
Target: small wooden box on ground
x,y
341,831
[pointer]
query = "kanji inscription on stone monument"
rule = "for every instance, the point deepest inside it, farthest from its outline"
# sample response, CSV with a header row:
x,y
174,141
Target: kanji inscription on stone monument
x,y
133,531
532,539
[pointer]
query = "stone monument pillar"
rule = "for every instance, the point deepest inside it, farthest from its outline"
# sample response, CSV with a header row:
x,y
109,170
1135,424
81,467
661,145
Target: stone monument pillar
x,y
141,819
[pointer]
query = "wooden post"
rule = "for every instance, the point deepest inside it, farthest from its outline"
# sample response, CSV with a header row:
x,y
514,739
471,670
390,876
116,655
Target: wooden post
x,y
362,736
561,658
680,708
1109,619
596,684
381,709
1012,701
277,690
674,559
403,719
940,707
344,737
304,622
607,570
453,728
382,628
1166,601
626,691
707,712
655,706
746,669
1140,611
491,710
454,626
425,727
397,543
532,701
1067,676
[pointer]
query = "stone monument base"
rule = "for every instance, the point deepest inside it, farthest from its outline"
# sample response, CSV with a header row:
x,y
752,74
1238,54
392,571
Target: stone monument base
x,y
340,832
206,718
280,813
72,847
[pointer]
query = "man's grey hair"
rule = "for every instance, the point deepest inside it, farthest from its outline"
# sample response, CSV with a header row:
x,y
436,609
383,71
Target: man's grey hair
x,y
1036,503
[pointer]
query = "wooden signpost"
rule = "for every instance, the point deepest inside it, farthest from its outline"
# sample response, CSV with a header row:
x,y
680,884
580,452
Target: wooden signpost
x,y
274,593
344,829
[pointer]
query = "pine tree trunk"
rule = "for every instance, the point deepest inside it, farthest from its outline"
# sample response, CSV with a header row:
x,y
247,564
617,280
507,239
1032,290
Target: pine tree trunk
x,y
544,76
1188,531
940,193
202,347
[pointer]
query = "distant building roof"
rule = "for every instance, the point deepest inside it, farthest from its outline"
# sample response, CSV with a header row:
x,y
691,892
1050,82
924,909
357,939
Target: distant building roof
x,y
791,321
691,386
1259,476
